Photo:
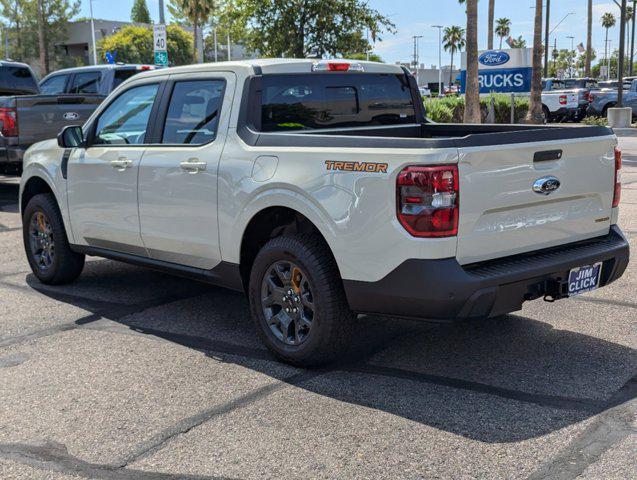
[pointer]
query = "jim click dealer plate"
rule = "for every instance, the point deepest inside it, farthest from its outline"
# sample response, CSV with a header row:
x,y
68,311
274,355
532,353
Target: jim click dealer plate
x,y
584,279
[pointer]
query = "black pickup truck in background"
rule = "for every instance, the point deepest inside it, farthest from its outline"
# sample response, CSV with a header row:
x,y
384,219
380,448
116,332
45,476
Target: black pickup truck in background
x,y
65,97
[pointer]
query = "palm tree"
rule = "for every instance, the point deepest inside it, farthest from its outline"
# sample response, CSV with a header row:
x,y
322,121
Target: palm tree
x,y
472,88
453,41
491,17
535,114
629,16
608,22
198,12
503,29
589,40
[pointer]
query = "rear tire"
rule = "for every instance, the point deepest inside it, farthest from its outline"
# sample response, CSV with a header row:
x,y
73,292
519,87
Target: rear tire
x,y
297,273
546,113
605,110
47,247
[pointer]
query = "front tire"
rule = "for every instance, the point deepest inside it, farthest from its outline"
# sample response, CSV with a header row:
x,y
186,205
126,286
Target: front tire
x,y
50,257
297,301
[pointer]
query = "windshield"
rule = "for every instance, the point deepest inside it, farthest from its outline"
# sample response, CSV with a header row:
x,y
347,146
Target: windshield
x,y
328,100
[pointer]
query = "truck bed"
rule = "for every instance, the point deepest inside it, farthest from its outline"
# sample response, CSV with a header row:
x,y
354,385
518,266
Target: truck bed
x,y
424,135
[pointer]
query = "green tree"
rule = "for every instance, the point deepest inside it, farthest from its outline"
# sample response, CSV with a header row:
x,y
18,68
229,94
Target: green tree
x,y
134,44
503,29
300,28
36,26
453,41
140,13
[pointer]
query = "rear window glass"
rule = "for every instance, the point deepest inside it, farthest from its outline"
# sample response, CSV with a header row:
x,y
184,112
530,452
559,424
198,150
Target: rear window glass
x,y
17,80
328,100
122,75
86,82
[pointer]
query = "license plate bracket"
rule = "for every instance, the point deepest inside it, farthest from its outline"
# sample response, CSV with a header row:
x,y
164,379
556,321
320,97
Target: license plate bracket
x,y
584,279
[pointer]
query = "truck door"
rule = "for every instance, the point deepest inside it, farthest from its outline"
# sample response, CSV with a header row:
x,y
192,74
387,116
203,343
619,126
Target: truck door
x,y
178,173
102,179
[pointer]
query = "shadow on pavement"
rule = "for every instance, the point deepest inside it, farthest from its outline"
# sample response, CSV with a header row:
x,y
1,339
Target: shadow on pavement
x,y
502,380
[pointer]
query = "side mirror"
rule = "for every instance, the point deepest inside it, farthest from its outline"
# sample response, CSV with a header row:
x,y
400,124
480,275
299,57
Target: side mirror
x,y
71,136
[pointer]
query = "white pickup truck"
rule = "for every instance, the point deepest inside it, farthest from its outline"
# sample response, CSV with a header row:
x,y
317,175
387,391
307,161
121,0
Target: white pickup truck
x,y
319,189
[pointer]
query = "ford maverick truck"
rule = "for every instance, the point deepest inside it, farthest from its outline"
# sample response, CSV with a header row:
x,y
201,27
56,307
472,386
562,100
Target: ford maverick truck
x,y
320,190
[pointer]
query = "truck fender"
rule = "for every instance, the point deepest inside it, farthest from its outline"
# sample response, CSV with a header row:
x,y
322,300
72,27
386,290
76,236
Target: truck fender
x,y
286,196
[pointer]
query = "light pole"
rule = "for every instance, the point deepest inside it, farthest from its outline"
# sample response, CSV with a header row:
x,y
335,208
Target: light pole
x,y
93,33
439,27
161,12
570,63
416,38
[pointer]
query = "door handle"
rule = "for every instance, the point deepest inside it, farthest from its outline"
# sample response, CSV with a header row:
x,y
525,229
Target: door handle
x,y
193,165
121,164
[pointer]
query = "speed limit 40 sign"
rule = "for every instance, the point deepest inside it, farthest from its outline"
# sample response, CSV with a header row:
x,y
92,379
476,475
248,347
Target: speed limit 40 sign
x,y
159,44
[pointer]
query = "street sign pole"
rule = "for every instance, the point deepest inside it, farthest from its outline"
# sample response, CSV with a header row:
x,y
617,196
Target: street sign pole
x,y
159,45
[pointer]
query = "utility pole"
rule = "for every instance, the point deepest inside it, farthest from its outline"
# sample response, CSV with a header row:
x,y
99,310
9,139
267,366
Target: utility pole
x,y
93,33
570,61
214,33
546,38
416,38
439,27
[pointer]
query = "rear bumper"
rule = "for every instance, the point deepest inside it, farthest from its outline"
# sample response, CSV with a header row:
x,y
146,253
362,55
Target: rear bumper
x,y
444,290
571,113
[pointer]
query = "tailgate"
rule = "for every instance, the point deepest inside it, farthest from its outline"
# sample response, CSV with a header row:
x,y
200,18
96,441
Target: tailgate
x,y
501,214
42,117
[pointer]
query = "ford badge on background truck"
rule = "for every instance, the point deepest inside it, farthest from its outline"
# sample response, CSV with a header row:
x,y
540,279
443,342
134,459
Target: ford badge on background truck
x,y
319,189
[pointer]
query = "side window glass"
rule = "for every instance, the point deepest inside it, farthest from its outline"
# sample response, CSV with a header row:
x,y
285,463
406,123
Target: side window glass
x,y
54,85
86,82
125,120
193,113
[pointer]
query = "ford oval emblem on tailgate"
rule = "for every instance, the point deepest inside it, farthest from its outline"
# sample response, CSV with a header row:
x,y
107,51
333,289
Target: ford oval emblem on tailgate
x,y
546,185
71,116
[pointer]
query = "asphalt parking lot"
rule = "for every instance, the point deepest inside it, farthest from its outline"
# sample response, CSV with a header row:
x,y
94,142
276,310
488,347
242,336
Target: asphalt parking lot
x,y
132,374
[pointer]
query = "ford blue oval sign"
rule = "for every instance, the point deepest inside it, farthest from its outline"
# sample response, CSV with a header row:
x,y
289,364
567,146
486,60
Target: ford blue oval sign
x,y
493,59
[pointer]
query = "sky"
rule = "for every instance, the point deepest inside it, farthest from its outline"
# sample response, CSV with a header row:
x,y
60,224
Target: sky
x,y
416,17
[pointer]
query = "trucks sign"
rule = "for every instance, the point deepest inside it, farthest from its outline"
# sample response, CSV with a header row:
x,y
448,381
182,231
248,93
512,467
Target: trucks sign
x,y
502,71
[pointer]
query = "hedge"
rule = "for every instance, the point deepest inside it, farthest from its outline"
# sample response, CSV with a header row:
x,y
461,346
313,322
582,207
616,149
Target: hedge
x,y
451,109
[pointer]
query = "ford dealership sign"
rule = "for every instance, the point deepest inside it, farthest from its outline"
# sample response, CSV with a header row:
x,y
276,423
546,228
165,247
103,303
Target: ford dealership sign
x,y
494,59
502,71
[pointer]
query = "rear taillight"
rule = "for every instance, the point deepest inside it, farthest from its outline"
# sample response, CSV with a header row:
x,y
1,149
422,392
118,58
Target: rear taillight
x,y
563,100
427,200
8,122
618,177
591,97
